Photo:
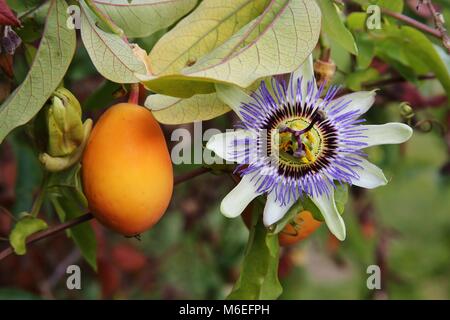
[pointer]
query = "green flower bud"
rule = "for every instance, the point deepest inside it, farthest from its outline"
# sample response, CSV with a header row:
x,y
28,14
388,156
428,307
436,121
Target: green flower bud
x,y
68,99
65,128
55,164
406,111
67,134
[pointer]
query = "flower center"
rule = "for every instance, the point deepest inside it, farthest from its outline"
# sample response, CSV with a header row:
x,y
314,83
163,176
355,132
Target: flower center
x,y
298,140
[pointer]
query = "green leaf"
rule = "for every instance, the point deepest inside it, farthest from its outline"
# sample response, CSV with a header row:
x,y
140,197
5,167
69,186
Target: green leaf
x,y
30,31
366,51
29,172
277,41
311,207
341,197
178,85
111,55
444,56
393,5
389,50
335,28
356,21
49,66
341,57
206,28
259,273
404,70
102,97
68,179
356,80
288,217
69,202
68,207
417,47
172,110
142,18
24,228
22,6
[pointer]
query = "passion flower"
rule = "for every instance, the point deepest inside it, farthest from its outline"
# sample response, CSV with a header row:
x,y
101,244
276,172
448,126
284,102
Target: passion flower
x,y
296,141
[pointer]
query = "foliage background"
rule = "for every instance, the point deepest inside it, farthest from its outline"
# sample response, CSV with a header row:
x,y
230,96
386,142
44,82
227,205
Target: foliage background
x,y
195,253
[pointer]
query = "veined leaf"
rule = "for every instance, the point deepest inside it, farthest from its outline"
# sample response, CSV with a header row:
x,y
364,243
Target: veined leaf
x,y
141,18
172,110
277,41
211,24
110,54
49,66
335,28
200,107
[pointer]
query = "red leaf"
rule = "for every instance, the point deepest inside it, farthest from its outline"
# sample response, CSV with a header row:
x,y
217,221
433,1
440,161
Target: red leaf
x,y
7,17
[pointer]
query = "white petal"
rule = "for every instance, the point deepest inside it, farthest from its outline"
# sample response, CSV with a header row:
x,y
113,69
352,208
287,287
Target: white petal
x,y
237,200
223,145
233,96
274,211
370,176
304,72
333,219
358,101
389,133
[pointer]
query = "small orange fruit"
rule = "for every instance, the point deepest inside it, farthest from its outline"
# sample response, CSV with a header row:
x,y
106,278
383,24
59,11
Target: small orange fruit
x,y
126,170
299,229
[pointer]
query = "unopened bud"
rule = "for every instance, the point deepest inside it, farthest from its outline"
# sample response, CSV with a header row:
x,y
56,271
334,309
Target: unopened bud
x,y
55,164
406,111
65,128
324,71
67,135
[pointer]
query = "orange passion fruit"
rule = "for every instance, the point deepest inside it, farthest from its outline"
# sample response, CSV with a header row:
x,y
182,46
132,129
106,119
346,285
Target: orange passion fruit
x,y
300,228
126,170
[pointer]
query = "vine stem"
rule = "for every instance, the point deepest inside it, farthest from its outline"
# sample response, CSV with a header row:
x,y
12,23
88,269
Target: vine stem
x,y
439,23
412,22
89,216
134,94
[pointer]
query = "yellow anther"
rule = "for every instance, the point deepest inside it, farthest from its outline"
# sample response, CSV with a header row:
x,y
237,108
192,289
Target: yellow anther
x,y
310,137
309,156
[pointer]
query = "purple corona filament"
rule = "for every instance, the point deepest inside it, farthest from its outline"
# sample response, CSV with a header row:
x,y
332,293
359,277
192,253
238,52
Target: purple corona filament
x,y
271,111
